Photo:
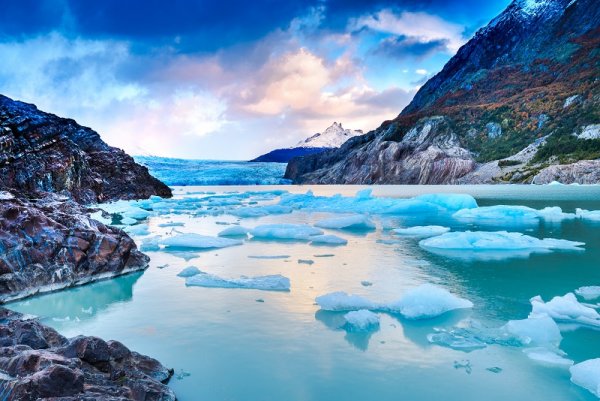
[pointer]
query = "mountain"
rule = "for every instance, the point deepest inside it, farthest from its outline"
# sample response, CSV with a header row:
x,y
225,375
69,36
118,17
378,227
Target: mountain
x,y
519,102
333,137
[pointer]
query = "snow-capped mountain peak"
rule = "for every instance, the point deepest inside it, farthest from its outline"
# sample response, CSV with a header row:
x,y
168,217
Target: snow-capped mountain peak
x,y
333,137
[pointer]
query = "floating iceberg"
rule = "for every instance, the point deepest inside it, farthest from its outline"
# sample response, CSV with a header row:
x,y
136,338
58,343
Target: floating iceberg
x,y
260,211
138,229
361,320
285,231
172,224
450,201
427,301
587,375
137,213
341,301
421,231
500,214
150,244
539,330
565,309
266,283
327,240
588,293
496,241
234,231
198,241
593,215
354,222
189,272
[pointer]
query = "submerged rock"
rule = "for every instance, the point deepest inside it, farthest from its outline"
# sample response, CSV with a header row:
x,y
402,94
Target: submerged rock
x,y
39,363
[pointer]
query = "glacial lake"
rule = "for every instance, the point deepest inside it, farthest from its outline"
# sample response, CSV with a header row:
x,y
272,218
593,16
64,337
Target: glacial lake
x,y
252,345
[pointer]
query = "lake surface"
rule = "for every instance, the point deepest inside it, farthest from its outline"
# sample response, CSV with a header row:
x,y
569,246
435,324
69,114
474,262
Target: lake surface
x,y
246,345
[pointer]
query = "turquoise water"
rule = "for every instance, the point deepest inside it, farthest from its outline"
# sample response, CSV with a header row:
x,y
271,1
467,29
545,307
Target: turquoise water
x,y
258,345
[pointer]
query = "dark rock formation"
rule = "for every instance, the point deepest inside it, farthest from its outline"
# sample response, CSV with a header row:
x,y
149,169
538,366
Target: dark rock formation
x,y
37,363
286,154
51,243
532,73
40,152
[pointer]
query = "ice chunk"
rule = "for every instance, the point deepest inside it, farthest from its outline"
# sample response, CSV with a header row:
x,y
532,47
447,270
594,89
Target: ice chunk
x,y
234,231
150,244
540,330
198,241
139,230
267,283
588,293
555,214
499,213
260,211
285,231
547,356
421,231
593,215
137,213
587,375
327,240
356,222
189,272
427,301
341,301
565,309
450,201
128,221
361,320
172,224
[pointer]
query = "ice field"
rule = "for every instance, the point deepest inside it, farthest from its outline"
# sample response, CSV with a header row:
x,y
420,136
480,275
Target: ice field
x,y
354,293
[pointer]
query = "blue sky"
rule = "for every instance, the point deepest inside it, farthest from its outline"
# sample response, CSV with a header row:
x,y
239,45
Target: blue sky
x,y
227,79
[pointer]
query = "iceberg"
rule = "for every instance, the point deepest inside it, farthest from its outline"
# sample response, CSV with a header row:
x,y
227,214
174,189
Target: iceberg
x,y
537,330
361,320
269,256
138,229
427,301
513,214
593,215
327,240
260,211
450,201
150,244
301,232
565,309
588,293
587,375
421,231
354,222
189,272
341,301
234,231
198,241
266,283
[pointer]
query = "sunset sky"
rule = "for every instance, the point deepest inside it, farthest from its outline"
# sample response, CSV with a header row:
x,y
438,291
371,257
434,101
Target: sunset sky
x,y
227,80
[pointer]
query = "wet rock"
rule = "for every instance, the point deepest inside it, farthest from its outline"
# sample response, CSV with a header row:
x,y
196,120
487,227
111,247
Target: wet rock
x,y
581,172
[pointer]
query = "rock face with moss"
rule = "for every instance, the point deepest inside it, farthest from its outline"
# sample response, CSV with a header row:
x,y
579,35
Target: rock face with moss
x,y
522,95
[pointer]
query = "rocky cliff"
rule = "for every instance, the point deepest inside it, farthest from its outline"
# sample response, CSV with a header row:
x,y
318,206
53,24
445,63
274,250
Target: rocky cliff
x,y
521,96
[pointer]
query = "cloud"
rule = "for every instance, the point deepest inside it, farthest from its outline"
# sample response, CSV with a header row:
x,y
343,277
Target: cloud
x,y
402,47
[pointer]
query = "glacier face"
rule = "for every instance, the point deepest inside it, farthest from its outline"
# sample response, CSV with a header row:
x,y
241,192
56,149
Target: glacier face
x,y
213,172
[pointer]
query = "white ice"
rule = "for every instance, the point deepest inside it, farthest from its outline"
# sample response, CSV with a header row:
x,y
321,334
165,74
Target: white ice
x,y
421,231
593,215
234,231
450,201
587,375
138,229
511,214
341,301
588,293
327,240
565,309
285,231
538,330
361,320
267,283
198,241
357,222
172,224
547,356
427,301
189,272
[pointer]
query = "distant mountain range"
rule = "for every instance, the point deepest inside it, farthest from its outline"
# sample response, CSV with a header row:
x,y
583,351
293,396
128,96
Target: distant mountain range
x,y
518,103
333,137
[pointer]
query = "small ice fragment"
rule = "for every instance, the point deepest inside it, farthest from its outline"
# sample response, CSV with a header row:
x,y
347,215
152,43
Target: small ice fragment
x,y
189,272
138,229
366,283
269,256
540,330
150,244
324,255
427,301
341,301
128,221
137,213
354,222
234,231
593,215
198,241
587,375
285,232
266,283
361,320
305,261
260,300
450,201
172,224
421,231
327,239
565,309
588,293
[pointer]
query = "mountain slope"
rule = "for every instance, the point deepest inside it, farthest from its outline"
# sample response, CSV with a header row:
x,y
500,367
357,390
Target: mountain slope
x,y
531,74
333,137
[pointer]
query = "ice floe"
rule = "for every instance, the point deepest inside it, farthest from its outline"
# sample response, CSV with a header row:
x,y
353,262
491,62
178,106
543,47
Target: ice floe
x,y
593,215
587,375
361,320
511,214
138,229
450,201
355,222
565,309
588,293
537,330
234,231
189,272
266,283
260,211
547,356
421,231
285,232
197,241
341,301
172,224
327,239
